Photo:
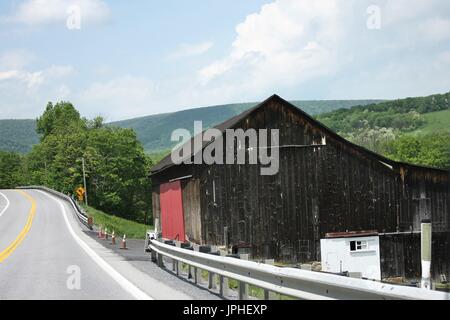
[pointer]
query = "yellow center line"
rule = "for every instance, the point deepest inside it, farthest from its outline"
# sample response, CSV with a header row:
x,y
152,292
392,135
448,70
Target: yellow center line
x,y
16,243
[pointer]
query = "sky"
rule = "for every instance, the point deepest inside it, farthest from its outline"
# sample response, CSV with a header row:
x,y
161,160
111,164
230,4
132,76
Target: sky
x,y
125,59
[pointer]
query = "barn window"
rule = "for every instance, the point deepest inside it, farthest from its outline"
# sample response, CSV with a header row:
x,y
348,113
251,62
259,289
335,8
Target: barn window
x,y
361,245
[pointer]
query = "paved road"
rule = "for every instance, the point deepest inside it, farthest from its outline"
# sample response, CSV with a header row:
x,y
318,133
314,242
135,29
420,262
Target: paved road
x,y
44,254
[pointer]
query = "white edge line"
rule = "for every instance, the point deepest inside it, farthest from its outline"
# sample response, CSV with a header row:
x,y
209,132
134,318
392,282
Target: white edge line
x,y
7,204
120,279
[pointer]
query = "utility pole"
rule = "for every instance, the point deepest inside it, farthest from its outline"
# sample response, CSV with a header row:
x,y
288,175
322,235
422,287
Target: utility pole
x,y
45,166
84,182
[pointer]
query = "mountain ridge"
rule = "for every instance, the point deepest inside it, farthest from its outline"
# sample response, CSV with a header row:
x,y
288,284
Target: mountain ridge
x,y
19,135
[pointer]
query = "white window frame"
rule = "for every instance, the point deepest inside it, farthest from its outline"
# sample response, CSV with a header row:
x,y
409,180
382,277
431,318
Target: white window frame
x,y
360,245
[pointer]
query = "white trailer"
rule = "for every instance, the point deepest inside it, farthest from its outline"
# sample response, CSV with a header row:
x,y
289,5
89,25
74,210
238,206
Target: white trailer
x,y
353,252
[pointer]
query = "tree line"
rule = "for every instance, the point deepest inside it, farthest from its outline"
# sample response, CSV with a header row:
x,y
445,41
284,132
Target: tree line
x,y
402,114
116,164
391,128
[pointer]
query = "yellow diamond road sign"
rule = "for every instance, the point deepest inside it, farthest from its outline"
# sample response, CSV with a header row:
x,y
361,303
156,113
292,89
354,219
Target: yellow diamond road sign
x,y
80,193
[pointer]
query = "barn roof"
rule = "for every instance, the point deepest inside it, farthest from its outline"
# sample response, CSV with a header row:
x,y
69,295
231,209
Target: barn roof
x,y
166,162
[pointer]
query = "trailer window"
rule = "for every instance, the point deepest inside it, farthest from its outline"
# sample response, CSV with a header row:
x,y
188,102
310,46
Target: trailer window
x,y
361,245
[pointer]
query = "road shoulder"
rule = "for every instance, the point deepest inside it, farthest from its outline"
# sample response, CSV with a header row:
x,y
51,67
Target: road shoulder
x,y
135,266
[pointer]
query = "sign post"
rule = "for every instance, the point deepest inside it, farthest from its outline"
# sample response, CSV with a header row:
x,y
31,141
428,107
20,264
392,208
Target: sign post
x,y
81,193
84,182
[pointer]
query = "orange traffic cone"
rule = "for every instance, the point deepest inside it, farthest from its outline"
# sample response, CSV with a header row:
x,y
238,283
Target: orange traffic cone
x,y
113,238
124,243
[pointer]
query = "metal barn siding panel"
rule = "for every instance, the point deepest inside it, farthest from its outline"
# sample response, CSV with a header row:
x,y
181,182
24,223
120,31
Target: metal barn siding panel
x,y
172,217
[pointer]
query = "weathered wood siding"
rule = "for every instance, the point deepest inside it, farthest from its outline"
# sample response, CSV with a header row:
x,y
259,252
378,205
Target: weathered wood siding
x,y
156,208
334,188
191,208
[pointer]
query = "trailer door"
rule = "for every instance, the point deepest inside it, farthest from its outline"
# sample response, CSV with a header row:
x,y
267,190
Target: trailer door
x,y
172,216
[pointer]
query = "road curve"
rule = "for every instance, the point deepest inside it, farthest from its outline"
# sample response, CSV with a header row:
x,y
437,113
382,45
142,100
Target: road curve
x,y
45,255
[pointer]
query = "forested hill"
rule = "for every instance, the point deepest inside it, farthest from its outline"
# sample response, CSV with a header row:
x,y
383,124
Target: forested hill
x,y
366,122
154,131
413,130
18,135
403,114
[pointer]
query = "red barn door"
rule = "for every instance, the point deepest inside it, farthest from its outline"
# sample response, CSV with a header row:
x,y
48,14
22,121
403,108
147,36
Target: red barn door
x,y
172,217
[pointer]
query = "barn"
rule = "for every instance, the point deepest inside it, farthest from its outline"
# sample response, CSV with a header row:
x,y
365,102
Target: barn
x,y
326,188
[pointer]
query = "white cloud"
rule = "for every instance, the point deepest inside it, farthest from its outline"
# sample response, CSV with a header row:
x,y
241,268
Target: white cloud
x,y
31,79
38,12
186,50
25,92
435,29
300,49
291,43
443,58
397,12
58,71
287,41
129,95
15,59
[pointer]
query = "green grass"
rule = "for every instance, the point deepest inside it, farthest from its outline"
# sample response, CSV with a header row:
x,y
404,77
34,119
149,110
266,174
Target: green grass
x,y
435,122
443,287
234,285
121,226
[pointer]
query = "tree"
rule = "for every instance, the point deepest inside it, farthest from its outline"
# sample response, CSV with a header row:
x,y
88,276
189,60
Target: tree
x,y
117,169
11,170
116,165
59,119
374,139
431,149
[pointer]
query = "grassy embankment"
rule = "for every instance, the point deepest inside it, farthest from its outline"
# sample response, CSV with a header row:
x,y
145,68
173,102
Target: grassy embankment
x,y
435,122
121,226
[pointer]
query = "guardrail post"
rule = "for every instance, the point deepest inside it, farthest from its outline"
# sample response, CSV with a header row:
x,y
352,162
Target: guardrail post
x,y
223,286
197,276
153,256
269,295
174,263
160,260
243,291
212,281
245,256
179,268
189,272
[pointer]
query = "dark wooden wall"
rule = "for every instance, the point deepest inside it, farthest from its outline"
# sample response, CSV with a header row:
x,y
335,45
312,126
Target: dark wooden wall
x,y
333,188
319,189
191,209
156,208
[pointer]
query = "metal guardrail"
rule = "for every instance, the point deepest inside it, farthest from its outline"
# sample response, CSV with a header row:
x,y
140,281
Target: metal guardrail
x,y
302,284
81,214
